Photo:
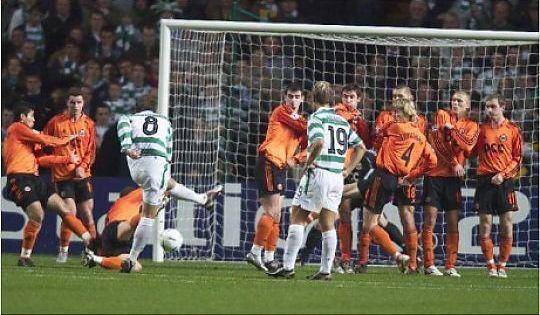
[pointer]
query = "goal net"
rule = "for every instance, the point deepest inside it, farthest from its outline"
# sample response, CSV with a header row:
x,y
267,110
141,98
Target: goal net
x,y
220,82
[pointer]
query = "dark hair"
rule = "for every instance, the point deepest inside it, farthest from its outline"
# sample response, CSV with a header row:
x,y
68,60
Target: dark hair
x,y
322,92
74,91
127,190
22,110
294,86
352,87
499,97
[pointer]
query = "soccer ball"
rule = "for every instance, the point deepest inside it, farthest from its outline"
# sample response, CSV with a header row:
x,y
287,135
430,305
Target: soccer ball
x,y
171,240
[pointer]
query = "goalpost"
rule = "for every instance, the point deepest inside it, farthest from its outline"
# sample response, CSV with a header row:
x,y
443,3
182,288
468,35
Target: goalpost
x,y
219,81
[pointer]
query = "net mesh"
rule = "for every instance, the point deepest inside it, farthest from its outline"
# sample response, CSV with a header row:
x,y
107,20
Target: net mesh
x,y
223,87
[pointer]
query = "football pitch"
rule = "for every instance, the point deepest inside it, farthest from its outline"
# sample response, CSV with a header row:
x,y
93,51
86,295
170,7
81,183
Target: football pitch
x,y
214,287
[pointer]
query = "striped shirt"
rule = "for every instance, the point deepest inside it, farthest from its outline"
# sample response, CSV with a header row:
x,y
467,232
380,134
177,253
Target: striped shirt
x,y
148,132
337,135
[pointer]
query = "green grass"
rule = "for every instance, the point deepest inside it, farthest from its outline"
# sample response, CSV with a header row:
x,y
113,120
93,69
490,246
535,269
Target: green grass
x,y
207,287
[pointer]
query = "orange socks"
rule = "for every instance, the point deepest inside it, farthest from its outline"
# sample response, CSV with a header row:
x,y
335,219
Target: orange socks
x,y
264,228
65,234
487,249
345,235
452,242
74,224
363,248
271,241
427,243
381,238
30,233
111,263
505,249
411,241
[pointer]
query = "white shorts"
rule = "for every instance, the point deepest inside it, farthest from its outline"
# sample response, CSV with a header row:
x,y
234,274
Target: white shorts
x,y
319,189
152,174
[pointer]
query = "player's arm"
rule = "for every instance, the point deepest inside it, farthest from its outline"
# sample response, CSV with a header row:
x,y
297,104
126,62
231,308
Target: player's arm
x,y
89,155
465,138
428,161
169,141
513,166
364,132
294,120
300,157
124,136
30,135
316,137
355,142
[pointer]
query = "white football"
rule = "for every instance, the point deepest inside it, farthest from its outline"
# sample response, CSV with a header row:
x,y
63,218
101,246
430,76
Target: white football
x,y
171,240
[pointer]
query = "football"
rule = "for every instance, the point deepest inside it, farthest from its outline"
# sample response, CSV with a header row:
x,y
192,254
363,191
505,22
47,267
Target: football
x,y
171,240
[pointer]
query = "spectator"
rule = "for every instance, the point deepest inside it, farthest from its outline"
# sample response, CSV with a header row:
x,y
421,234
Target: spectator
x,y
110,13
140,12
109,161
93,35
126,33
529,19
449,20
76,34
488,81
13,46
288,12
418,14
12,76
58,99
267,10
64,65
92,78
153,73
7,119
501,19
106,50
103,122
133,90
148,48
471,14
30,61
34,29
219,10
117,105
35,97
108,72
125,67
19,17
57,26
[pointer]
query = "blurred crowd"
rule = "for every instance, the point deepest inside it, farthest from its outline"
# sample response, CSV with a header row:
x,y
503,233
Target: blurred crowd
x,y
111,49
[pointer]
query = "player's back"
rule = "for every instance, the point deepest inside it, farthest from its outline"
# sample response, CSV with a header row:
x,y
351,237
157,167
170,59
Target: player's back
x,y
325,123
125,207
401,148
148,132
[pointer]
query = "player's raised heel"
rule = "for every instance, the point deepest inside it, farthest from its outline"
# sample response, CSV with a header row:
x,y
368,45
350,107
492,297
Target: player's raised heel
x,y
255,261
320,276
347,268
502,273
452,272
360,268
432,271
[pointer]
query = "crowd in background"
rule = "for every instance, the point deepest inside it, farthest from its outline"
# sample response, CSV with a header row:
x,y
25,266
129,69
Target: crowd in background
x,y
111,49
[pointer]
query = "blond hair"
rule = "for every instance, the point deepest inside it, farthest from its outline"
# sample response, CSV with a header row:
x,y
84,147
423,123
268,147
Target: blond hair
x,y
465,94
322,92
407,106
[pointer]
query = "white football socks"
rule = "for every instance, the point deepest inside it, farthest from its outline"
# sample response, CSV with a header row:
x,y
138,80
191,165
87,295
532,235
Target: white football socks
x,y
180,191
268,256
141,237
329,243
292,245
256,250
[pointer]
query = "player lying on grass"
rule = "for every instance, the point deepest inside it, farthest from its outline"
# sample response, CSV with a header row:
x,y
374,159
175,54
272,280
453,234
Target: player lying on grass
x,y
404,156
321,186
22,148
146,139
120,224
453,136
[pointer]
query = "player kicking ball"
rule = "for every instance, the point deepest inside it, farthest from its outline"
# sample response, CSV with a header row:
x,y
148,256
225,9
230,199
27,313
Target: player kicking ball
x,y
321,186
146,139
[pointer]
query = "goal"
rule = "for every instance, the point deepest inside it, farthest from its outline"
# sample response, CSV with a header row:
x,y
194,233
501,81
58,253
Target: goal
x,y
220,80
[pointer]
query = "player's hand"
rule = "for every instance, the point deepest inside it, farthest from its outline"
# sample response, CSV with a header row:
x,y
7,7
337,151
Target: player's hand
x,y
405,181
74,158
459,171
497,179
133,153
291,162
448,126
345,173
79,172
73,137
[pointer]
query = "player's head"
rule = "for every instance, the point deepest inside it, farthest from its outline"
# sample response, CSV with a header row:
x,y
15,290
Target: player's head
x,y
126,191
461,103
146,102
75,102
25,114
294,94
402,92
350,94
495,105
404,110
322,93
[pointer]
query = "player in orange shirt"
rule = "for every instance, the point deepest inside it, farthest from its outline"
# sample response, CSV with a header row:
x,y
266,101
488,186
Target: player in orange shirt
x,y
406,195
73,184
453,136
25,188
404,156
287,132
499,159
348,109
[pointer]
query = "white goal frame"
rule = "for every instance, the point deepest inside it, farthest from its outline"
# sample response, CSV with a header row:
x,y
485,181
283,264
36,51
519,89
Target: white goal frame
x,y
284,29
